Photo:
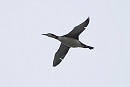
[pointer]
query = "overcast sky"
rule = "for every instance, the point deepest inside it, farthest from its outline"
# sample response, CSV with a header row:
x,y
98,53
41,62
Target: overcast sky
x,y
26,56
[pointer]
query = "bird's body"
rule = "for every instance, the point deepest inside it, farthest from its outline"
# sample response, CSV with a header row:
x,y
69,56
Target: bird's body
x,y
69,40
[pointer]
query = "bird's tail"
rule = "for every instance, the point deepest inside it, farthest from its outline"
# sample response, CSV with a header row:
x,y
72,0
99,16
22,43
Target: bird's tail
x,y
90,47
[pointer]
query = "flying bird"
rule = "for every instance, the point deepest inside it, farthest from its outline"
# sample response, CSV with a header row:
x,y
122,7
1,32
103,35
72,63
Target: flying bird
x,y
69,40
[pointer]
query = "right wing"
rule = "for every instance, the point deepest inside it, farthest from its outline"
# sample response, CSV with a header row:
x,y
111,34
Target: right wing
x,y
60,54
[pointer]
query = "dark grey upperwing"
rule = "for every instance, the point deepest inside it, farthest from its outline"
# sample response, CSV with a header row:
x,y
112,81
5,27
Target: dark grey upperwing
x,y
60,54
78,29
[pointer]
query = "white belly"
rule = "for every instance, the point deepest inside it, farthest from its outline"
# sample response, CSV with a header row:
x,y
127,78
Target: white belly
x,y
70,41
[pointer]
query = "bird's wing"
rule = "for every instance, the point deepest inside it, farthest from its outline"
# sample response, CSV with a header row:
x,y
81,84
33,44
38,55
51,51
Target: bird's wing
x,y
60,54
78,29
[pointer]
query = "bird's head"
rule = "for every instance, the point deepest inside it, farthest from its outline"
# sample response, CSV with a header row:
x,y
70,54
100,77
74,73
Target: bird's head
x,y
51,35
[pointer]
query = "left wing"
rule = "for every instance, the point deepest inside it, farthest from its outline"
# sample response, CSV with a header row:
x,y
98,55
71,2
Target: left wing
x,y
78,29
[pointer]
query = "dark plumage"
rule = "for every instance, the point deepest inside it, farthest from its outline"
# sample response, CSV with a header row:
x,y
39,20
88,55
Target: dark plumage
x,y
69,40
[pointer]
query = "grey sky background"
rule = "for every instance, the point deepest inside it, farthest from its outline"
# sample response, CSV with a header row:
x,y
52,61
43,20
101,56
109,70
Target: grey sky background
x,y
26,56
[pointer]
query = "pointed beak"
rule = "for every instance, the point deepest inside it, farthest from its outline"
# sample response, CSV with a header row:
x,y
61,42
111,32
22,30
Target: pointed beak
x,y
43,34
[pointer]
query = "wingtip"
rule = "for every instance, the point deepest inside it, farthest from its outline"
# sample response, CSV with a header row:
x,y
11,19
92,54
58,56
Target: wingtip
x,y
54,65
56,62
88,18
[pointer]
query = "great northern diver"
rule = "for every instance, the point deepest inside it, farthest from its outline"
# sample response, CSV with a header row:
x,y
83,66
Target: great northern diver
x,y
69,40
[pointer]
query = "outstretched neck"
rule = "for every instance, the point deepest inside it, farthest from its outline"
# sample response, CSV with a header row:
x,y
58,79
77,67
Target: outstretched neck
x,y
51,35
54,36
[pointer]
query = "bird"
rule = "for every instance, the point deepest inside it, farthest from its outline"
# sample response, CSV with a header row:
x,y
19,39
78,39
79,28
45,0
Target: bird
x,y
70,40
